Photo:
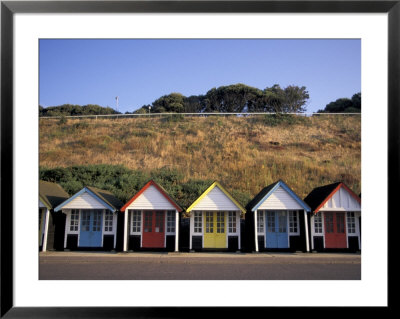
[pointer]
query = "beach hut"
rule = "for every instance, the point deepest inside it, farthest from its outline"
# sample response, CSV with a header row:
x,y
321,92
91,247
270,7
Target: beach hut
x,y
279,219
336,217
90,219
151,220
215,220
50,195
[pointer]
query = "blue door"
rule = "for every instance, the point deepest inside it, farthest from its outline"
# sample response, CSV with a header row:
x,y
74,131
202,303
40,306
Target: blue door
x,y
91,228
276,230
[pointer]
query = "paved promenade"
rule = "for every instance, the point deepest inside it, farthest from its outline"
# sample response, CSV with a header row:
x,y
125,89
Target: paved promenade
x,y
199,266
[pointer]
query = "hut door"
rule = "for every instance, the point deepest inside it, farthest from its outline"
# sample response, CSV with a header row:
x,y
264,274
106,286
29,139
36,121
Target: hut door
x,y
335,230
276,230
153,229
91,230
215,231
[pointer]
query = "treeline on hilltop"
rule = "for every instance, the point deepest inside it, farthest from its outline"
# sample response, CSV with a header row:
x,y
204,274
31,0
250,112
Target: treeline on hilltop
x,y
344,105
236,98
73,109
125,183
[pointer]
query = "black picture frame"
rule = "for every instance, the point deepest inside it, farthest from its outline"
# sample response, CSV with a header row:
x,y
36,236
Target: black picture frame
x,y
9,8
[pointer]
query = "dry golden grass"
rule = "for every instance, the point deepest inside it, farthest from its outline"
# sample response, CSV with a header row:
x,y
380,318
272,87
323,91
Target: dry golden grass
x,y
244,153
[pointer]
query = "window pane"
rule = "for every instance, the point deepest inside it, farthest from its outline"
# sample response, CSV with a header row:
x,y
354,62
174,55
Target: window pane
x,y
85,220
220,222
260,221
159,226
136,220
171,221
271,222
232,222
148,220
282,222
108,223
329,222
340,222
209,222
293,221
198,223
351,223
318,223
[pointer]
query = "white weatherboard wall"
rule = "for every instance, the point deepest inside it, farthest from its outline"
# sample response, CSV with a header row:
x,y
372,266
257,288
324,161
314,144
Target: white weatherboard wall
x,y
280,199
216,200
342,200
84,201
151,198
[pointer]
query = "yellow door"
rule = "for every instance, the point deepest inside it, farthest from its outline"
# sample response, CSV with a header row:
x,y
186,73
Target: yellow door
x,y
215,233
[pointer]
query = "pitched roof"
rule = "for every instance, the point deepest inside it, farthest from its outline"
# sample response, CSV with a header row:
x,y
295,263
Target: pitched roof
x,y
268,190
102,195
320,195
51,194
212,186
107,197
260,196
160,189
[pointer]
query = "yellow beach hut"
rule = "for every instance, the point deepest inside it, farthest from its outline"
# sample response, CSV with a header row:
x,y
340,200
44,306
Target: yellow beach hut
x,y
215,220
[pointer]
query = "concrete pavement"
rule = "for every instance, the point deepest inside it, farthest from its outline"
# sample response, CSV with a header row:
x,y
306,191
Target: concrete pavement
x,y
193,266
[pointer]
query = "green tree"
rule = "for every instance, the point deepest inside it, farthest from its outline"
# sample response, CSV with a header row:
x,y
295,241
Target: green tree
x,y
173,103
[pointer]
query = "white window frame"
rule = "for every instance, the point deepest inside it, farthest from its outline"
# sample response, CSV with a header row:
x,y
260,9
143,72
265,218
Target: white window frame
x,y
261,222
108,213
321,217
233,219
170,222
199,215
353,223
296,214
139,213
73,231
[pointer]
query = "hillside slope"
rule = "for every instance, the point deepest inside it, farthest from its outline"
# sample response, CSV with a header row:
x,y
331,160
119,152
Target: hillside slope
x,y
243,153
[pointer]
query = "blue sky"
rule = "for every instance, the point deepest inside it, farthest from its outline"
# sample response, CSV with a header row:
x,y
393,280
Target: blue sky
x,y
140,71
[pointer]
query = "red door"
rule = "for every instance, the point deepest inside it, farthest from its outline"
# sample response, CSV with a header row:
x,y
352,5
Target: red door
x,y
153,231
335,230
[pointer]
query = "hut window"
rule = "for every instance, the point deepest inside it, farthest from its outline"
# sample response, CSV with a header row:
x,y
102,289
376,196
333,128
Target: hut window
x,y
148,220
209,222
340,222
271,222
171,221
232,222
159,222
220,222
318,223
351,223
293,222
282,222
74,221
260,221
198,225
329,222
97,220
108,221
85,220
136,221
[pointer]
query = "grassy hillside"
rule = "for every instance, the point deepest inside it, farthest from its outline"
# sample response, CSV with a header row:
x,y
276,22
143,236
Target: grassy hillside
x,y
244,153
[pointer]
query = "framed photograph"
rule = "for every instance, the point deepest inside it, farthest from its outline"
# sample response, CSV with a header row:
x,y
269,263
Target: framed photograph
x,y
376,24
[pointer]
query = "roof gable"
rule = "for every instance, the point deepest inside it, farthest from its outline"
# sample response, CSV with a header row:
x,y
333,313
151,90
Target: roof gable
x,y
216,197
100,196
51,194
152,196
277,196
320,196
